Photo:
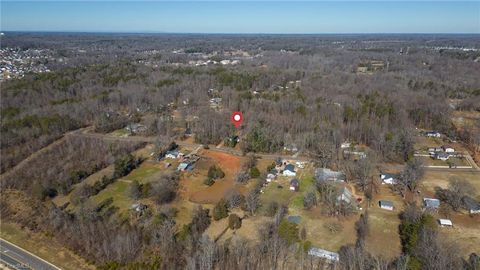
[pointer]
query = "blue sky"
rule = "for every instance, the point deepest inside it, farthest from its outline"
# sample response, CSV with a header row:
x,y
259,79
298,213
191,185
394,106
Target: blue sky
x,y
242,17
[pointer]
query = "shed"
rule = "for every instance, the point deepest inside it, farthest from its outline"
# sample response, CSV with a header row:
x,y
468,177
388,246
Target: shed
x,y
386,205
445,222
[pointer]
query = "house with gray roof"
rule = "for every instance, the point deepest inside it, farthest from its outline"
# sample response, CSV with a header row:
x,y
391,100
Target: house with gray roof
x,y
430,203
325,174
324,254
345,196
471,205
388,205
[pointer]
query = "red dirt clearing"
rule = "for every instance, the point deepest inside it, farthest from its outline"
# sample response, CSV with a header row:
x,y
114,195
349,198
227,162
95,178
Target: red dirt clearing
x,y
230,165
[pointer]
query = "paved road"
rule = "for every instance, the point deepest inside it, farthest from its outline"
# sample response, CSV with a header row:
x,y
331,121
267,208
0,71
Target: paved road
x,y
18,258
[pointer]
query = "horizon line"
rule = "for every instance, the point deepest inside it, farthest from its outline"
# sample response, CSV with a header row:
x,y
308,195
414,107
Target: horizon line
x,y
237,33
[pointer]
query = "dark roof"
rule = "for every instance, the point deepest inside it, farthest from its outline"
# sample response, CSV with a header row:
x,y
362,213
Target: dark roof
x,y
290,167
470,203
294,182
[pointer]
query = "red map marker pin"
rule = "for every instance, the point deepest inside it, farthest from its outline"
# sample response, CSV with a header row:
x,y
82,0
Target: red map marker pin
x,y
237,118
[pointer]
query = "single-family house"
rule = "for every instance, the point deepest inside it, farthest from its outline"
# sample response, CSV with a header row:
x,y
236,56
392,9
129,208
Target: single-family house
x,y
274,172
433,150
289,170
270,177
290,148
345,196
448,149
389,178
138,207
430,203
442,156
471,205
136,128
345,145
355,154
324,254
173,154
294,184
435,134
388,205
445,222
300,164
183,166
325,174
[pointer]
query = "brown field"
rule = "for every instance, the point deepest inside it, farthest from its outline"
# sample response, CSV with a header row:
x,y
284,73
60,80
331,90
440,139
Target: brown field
x,y
384,225
466,230
441,179
314,222
465,233
229,164
464,118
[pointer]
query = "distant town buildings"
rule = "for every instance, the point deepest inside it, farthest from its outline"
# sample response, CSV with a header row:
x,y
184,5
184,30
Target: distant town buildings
x,y
16,63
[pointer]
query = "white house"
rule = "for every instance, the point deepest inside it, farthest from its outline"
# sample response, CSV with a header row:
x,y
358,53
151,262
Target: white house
x,y
173,154
300,164
445,222
389,178
289,170
345,145
448,149
324,254
433,134
270,177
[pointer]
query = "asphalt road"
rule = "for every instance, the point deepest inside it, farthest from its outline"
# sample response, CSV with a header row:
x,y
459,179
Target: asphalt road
x,y
18,258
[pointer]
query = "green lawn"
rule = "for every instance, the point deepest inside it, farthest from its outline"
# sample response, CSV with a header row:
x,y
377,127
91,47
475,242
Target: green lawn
x,y
120,133
143,173
285,196
117,191
453,160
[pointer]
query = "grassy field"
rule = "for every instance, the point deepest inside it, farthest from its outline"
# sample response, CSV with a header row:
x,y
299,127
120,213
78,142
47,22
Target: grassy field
x,y
121,133
457,161
441,179
384,224
466,230
36,243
